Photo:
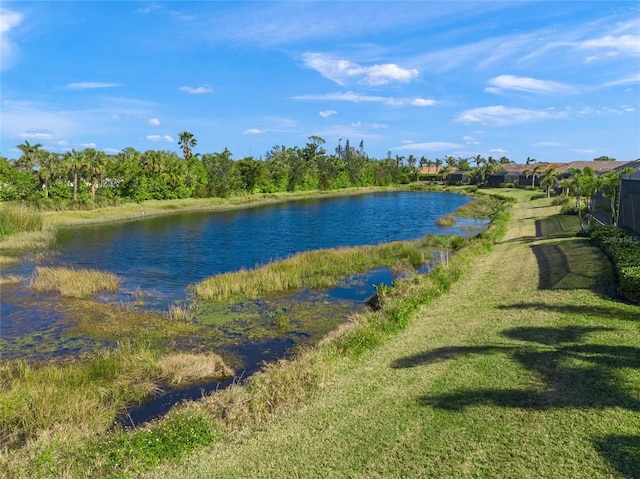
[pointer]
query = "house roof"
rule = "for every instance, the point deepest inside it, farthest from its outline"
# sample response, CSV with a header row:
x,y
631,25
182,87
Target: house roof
x,y
598,166
635,176
635,164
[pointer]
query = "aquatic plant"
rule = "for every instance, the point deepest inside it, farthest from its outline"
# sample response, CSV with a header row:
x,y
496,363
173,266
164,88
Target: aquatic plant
x,y
312,269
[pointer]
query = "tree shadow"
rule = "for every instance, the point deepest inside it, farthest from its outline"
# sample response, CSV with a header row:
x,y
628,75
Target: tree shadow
x,y
583,376
622,452
626,314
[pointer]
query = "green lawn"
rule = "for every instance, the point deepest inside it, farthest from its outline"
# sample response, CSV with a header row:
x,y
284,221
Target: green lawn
x,y
524,368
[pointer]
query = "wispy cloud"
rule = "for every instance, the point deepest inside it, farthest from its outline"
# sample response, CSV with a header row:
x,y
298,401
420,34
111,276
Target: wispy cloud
x,y
526,84
501,115
429,146
89,85
153,122
160,138
37,134
9,51
343,71
196,90
623,81
254,131
353,97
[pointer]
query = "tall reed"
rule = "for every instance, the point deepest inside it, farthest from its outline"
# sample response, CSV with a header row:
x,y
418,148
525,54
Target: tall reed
x,y
312,269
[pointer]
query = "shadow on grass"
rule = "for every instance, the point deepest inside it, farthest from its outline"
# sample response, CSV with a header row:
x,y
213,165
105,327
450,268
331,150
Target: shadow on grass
x,y
630,313
622,452
574,374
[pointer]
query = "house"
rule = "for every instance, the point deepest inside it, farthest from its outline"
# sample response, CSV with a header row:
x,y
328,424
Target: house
x,y
499,178
459,177
629,205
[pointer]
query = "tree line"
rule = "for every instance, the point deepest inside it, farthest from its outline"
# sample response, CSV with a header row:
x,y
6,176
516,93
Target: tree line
x,y
90,175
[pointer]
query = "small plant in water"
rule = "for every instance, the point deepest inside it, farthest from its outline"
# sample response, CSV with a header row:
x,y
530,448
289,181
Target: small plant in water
x,y
182,313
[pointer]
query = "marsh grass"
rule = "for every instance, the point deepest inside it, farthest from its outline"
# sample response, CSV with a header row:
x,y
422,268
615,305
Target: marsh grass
x,y
84,398
315,269
446,220
74,283
19,218
40,400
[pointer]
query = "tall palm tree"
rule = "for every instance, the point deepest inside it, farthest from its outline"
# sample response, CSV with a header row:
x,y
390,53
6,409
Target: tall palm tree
x,y
48,167
96,167
74,162
187,141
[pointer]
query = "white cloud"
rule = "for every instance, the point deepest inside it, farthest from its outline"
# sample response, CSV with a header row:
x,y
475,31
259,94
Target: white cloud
x,y
429,146
527,84
9,51
253,131
36,134
502,115
198,90
422,102
153,122
343,71
327,113
89,85
358,97
623,43
159,138
548,144
498,151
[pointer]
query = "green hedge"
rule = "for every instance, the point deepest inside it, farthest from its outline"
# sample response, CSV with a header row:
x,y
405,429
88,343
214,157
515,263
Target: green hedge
x,y
624,252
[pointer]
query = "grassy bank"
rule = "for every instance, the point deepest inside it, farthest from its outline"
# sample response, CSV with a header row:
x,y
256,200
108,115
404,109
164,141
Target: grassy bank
x,y
278,388
507,360
523,368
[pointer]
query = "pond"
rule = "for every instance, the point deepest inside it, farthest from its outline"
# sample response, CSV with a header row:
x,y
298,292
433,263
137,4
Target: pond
x,y
158,257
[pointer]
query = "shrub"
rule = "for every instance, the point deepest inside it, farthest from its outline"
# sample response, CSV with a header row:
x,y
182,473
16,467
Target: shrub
x,y
624,252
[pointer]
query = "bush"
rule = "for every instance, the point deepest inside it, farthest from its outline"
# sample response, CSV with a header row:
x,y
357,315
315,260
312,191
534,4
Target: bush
x,y
624,252
507,185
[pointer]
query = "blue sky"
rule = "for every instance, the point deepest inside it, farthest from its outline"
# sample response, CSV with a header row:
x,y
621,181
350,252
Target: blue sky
x,y
554,81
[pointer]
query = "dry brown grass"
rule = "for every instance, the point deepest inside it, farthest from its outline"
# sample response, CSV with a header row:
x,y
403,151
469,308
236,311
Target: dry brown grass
x,y
184,368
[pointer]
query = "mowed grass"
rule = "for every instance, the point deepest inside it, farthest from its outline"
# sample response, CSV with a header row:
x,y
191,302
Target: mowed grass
x,y
516,371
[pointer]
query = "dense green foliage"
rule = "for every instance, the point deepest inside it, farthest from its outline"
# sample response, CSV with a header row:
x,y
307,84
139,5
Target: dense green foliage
x,y
91,177
624,252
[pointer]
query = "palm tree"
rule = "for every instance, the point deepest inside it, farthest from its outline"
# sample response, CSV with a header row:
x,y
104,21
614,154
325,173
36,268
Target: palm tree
x,y
187,142
96,167
49,165
30,155
75,162
549,180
